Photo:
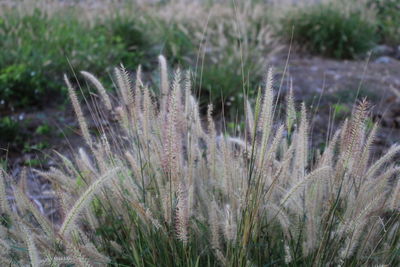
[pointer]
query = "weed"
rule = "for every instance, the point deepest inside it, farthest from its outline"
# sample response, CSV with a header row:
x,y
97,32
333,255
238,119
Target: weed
x,y
44,129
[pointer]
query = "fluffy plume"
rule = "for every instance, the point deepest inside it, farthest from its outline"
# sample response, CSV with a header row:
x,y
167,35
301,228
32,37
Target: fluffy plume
x,y
78,112
83,201
4,206
290,109
100,88
182,216
33,253
176,188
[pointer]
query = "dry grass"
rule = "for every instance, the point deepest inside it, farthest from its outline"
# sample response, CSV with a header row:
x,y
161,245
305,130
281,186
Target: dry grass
x,y
161,188
157,184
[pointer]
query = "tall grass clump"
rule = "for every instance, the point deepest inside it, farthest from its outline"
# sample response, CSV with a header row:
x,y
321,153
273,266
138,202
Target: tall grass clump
x,y
331,29
158,186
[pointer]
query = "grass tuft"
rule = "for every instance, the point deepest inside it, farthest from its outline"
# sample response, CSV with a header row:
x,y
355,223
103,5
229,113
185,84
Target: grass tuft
x,y
156,187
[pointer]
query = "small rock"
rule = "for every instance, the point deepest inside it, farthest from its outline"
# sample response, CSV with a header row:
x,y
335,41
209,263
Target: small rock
x,y
383,50
383,60
397,53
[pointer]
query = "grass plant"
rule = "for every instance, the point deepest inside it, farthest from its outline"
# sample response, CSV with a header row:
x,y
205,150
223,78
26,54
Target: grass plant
x,y
160,187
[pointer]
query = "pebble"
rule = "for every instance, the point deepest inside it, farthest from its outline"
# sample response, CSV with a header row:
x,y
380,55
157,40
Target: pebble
x,y
383,60
383,50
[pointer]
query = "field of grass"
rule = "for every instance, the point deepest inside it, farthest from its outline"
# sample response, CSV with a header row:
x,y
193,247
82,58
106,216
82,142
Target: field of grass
x,y
187,147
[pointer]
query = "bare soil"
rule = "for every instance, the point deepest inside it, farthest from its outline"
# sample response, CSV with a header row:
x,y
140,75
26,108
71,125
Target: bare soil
x,y
332,87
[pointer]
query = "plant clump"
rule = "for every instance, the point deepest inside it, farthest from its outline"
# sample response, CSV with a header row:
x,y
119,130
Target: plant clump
x,y
331,30
388,20
158,186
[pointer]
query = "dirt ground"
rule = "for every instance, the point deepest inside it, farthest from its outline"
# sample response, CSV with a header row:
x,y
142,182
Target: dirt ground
x,y
331,87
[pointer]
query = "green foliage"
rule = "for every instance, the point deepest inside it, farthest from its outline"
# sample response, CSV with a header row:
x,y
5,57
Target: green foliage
x,y
174,41
5,220
37,146
44,129
14,132
21,85
341,111
41,47
126,38
9,131
228,58
326,30
224,85
33,163
388,15
37,49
